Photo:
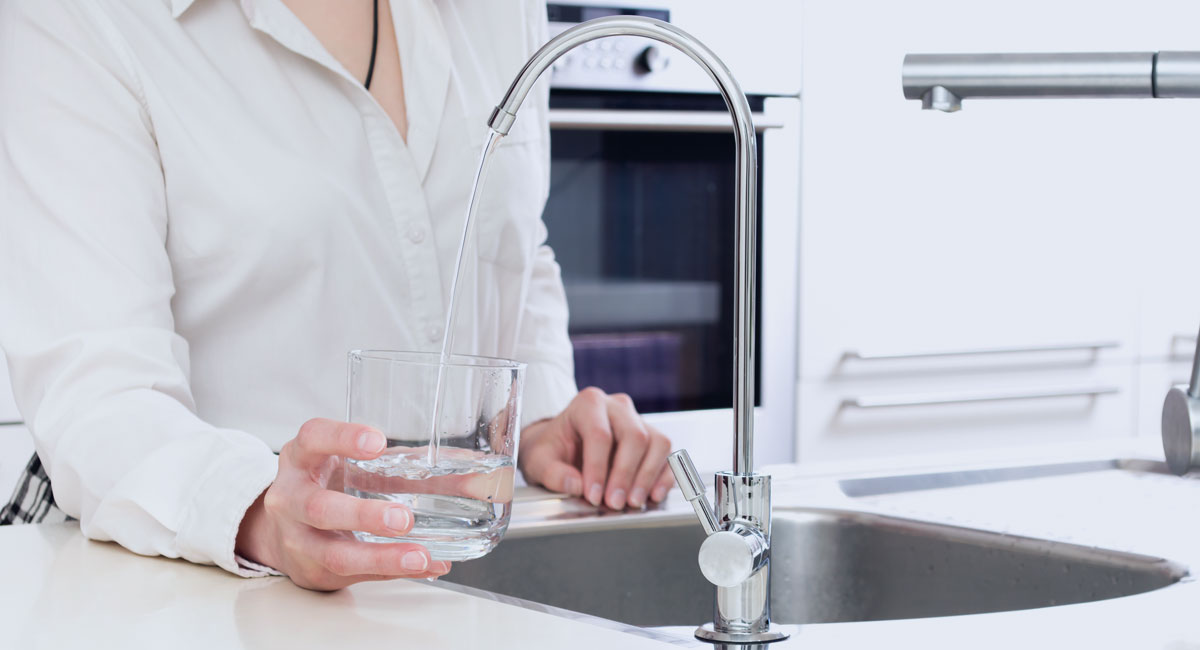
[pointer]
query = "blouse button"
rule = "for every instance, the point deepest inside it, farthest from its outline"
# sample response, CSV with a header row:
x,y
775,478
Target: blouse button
x,y
416,234
434,332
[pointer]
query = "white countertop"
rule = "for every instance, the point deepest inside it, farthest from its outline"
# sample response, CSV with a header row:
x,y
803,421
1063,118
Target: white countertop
x,y
61,590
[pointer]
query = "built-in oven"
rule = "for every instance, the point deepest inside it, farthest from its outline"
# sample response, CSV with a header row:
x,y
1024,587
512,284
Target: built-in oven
x,y
641,218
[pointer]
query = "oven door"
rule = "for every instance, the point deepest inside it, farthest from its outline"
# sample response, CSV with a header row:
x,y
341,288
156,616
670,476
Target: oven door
x,y
640,216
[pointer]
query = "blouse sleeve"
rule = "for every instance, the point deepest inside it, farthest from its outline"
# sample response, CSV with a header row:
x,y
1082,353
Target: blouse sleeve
x,y
100,375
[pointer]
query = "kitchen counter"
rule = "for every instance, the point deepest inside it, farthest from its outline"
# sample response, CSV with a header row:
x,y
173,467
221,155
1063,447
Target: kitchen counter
x,y
62,591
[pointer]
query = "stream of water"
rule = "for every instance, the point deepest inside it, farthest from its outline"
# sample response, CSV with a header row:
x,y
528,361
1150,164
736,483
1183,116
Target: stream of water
x,y
493,139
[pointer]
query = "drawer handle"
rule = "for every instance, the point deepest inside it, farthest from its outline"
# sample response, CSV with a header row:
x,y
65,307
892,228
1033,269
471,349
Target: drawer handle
x,y
10,423
678,121
855,355
866,403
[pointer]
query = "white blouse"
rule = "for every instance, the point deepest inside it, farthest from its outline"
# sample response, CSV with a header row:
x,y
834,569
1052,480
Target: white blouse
x,y
202,211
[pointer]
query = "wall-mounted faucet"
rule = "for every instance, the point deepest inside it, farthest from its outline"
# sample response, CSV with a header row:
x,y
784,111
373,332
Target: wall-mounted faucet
x,y
1181,422
736,554
942,81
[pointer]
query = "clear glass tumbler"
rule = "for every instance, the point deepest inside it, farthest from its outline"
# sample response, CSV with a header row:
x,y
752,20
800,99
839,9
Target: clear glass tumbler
x,y
459,487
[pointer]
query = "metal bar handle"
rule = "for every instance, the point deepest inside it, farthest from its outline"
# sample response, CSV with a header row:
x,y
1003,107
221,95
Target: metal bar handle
x,y
1056,74
855,355
942,81
869,403
692,488
662,121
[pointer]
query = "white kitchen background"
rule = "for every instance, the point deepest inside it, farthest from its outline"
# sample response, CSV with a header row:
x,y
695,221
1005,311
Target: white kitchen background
x,y
1011,225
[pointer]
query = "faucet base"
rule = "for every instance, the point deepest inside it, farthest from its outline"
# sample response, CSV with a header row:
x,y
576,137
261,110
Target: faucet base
x,y
707,633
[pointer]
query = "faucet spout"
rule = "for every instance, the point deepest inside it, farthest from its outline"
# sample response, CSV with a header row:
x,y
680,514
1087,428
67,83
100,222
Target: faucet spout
x,y
745,211
942,81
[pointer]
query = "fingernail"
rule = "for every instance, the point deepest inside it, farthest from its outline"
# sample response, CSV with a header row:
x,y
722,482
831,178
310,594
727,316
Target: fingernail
x,y
659,493
617,499
573,486
414,561
595,494
637,498
397,519
371,442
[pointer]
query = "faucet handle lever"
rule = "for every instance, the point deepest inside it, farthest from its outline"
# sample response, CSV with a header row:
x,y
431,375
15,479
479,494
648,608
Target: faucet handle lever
x,y
692,487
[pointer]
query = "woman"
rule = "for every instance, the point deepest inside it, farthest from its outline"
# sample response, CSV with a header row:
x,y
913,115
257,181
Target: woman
x,y
208,202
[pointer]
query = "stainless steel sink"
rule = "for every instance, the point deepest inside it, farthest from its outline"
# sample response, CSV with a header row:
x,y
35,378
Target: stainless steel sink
x,y
829,566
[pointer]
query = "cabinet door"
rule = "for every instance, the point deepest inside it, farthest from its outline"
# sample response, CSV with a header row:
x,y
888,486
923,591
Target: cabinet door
x,y
1008,224
1167,255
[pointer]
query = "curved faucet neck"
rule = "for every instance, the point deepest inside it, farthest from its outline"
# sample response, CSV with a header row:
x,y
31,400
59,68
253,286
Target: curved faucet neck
x,y
746,209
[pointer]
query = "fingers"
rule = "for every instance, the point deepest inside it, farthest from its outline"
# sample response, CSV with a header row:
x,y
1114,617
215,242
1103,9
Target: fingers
x,y
654,463
333,563
588,416
329,510
554,473
320,438
495,486
632,442
352,558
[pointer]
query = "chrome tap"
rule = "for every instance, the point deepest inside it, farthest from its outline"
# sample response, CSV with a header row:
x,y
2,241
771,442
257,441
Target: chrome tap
x,y
1181,422
942,81
736,555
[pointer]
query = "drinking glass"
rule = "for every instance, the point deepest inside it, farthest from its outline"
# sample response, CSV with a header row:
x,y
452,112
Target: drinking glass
x,y
457,481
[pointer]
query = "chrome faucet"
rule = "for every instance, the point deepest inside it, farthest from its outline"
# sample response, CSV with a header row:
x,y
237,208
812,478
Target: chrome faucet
x,y
942,81
736,554
1181,422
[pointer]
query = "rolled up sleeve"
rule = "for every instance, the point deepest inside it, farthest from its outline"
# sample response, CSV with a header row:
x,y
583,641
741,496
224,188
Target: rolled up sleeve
x,y
99,373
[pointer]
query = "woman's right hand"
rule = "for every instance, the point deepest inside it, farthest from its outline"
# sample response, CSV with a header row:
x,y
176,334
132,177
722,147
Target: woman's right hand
x,y
299,525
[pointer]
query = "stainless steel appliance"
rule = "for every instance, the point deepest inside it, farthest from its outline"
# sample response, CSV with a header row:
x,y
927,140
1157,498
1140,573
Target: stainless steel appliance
x,y
641,217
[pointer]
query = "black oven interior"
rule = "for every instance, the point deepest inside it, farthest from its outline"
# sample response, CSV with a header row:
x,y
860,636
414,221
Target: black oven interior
x,y
642,224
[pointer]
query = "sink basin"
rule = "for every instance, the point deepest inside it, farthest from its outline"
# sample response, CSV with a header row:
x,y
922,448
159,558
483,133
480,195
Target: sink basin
x,y
827,566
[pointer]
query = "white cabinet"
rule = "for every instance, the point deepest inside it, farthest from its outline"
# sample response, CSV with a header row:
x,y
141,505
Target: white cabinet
x,y
1009,225
1169,252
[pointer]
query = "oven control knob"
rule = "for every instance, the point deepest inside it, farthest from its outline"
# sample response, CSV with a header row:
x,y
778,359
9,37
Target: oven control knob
x,y
651,59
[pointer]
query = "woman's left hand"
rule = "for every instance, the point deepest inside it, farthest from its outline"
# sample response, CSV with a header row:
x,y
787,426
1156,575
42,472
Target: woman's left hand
x,y
598,448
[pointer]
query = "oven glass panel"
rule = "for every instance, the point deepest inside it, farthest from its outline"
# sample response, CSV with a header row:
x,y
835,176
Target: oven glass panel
x,y
642,224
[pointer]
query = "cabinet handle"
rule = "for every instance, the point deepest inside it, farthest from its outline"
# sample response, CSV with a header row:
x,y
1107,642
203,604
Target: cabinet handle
x,y
866,403
682,121
1031,349
10,423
